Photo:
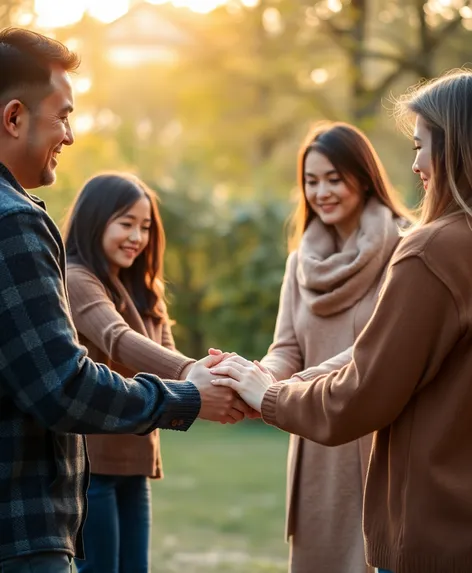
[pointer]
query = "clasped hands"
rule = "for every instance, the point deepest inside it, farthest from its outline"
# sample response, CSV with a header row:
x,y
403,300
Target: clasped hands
x,y
231,387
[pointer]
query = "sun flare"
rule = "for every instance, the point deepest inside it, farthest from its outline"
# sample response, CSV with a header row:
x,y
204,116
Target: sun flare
x,y
56,13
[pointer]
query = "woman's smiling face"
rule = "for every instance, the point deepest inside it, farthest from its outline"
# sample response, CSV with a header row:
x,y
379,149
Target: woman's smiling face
x,y
334,201
422,164
127,235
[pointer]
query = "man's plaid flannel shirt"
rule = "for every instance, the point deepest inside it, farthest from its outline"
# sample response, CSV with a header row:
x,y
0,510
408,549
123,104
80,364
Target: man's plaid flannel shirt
x,y
51,392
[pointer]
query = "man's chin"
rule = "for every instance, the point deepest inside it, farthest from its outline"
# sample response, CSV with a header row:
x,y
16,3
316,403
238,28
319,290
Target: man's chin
x,y
48,177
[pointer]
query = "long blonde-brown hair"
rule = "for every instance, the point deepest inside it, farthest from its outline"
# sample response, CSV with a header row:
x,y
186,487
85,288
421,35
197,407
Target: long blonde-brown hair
x,y
357,163
445,105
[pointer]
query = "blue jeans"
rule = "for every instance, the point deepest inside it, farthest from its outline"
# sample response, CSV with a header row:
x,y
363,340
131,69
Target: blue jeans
x,y
118,525
384,571
38,563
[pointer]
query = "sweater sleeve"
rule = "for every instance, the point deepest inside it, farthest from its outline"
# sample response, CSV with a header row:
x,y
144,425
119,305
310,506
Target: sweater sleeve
x,y
96,318
284,357
330,365
167,336
414,327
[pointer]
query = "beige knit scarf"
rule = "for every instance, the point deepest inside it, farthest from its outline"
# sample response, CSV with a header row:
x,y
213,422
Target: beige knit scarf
x,y
332,281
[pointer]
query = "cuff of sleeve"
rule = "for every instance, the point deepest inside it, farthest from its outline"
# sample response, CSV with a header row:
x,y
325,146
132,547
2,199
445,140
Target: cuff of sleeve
x,y
269,404
181,367
182,407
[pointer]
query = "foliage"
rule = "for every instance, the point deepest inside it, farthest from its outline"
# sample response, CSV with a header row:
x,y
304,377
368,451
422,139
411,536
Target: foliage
x,y
216,130
224,266
12,10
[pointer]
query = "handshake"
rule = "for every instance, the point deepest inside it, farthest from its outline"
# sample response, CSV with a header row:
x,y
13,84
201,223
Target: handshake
x,y
231,387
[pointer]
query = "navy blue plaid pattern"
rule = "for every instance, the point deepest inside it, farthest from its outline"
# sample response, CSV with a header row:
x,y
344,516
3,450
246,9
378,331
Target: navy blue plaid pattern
x,y
51,392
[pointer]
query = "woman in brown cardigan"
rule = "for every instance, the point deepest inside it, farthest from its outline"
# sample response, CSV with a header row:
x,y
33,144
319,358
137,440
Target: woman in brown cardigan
x,y
115,245
346,229
410,375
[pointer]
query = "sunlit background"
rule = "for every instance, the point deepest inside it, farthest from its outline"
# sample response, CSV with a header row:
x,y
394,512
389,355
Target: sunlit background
x,y
52,13
208,102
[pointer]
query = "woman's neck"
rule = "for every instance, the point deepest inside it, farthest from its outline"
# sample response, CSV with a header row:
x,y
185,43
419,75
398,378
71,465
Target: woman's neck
x,y
346,228
343,234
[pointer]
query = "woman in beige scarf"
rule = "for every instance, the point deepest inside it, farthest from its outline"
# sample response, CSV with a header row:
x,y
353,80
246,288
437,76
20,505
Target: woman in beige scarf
x,y
345,230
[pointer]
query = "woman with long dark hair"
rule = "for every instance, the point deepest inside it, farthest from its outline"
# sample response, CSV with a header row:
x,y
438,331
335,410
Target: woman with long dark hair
x,y
115,246
345,230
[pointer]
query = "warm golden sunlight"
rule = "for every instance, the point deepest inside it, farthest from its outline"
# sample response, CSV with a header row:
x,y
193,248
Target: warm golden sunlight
x,y
201,6
55,13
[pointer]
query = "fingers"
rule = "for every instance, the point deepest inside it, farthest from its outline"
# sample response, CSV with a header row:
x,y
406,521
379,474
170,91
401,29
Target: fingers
x,y
214,359
242,407
233,371
233,356
236,415
254,414
261,367
228,419
236,359
228,382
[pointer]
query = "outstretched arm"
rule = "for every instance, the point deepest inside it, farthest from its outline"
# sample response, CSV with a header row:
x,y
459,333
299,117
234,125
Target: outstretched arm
x,y
96,318
415,325
44,370
326,367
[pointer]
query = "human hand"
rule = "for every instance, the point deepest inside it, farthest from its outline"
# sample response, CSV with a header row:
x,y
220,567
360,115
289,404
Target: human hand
x,y
185,372
253,414
218,404
250,380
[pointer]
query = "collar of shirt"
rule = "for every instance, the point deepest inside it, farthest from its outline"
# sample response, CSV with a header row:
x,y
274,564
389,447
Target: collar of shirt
x,y
9,177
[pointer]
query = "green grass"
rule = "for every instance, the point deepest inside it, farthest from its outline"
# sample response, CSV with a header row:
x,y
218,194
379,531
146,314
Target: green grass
x,y
220,507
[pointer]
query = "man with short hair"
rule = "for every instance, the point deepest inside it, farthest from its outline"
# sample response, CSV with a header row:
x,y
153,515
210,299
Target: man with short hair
x,y
50,391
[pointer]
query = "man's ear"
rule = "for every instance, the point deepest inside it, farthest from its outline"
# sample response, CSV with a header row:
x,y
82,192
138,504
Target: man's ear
x,y
14,116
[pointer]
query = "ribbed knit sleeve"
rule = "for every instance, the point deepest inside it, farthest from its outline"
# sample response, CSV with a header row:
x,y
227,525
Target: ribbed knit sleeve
x,y
97,319
284,357
330,365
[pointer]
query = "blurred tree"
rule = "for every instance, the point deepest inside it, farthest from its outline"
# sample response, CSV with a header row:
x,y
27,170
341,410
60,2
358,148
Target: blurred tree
x,y
14,12
393,37
224,266
217,131
90,154
247,82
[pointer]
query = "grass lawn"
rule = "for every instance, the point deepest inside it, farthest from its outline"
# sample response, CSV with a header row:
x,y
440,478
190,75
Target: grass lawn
x,y
220,507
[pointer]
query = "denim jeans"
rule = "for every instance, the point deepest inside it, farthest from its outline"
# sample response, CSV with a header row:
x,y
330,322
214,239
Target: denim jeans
x,y
118,525
38,563
384,571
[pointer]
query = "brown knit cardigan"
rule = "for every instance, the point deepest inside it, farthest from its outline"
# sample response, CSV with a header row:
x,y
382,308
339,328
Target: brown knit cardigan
x,y
128,343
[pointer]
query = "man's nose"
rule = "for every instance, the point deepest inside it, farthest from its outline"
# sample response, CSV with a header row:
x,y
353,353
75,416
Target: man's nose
x,y
69,137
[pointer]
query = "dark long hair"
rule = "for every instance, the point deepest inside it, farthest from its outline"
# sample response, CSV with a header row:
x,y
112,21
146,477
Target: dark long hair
x,y
356,161
102,199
